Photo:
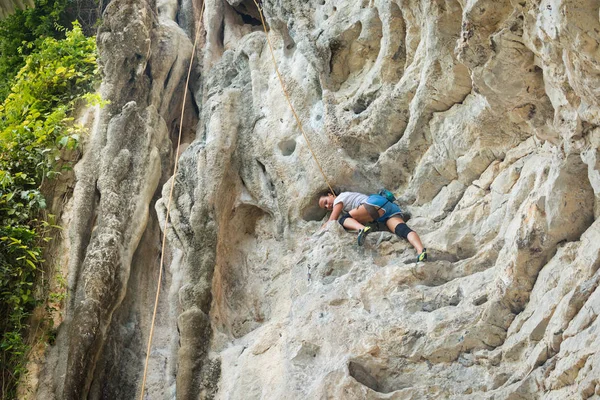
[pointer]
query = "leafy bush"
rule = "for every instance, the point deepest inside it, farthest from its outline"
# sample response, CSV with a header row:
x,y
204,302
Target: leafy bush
x,y
23,32
34,127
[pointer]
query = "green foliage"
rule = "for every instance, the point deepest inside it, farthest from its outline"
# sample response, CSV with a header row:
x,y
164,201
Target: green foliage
x,y
35,113
34,127
23,32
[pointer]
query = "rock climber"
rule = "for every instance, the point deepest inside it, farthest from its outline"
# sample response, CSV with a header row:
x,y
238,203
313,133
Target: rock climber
x,y
357,209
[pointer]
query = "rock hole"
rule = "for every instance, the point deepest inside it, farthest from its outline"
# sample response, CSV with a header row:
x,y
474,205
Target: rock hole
x,y
359,107
287,147
288,42
262,167
221,35
321,2
313,213
310,210
266,178
247,10
340,48
532,111
383,376
480,300
318,117
364,38
193,101
456,299
250,20
148,71
131,76
363,103
362,376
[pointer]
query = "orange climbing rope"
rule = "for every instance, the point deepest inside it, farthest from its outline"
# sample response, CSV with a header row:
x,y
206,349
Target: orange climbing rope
x,y
164,238
288,97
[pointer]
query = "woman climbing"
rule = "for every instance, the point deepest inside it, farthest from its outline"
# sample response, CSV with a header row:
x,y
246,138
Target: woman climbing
x,y
357,209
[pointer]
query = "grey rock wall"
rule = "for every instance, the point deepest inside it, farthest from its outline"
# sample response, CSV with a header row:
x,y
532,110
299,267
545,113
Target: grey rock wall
x,y
483,116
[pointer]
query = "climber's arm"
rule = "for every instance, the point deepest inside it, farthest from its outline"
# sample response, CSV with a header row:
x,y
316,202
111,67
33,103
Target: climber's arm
x,y
337,210
335,213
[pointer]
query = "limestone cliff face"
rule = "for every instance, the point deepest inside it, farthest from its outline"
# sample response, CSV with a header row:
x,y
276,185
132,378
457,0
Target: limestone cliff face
x,y
482,115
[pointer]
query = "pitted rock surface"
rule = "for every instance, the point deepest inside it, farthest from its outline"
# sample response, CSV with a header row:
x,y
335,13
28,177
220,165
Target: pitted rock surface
x,y
482,116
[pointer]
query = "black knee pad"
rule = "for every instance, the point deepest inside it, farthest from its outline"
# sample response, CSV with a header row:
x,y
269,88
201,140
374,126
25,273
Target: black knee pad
x,y
343,218
402,230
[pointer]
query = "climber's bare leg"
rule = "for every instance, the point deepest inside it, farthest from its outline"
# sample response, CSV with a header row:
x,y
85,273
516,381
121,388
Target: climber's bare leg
x,y
352,224
359,217
413,238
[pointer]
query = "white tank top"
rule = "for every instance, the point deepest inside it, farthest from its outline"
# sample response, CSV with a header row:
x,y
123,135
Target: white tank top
x,y
350,200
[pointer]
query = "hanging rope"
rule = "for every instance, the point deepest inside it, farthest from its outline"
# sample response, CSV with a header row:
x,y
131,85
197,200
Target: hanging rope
x,y
288,97
164,237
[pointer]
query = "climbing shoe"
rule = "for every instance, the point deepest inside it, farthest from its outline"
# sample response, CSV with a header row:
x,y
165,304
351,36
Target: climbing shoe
x,y
362,234
422,256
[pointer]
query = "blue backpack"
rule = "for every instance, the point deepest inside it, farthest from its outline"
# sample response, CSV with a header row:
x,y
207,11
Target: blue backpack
x,y
387,194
